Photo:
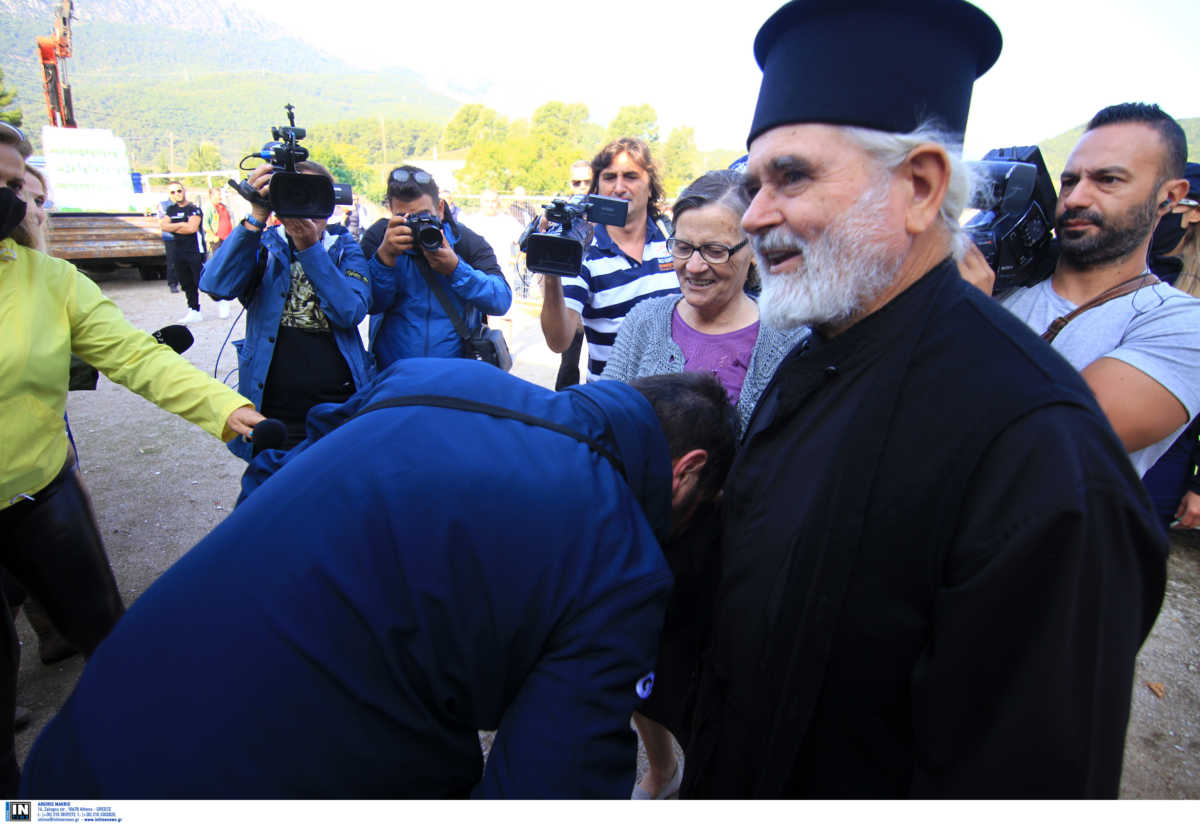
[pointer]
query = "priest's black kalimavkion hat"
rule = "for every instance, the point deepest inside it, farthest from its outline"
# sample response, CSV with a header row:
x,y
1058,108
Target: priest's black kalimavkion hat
x,y
882,64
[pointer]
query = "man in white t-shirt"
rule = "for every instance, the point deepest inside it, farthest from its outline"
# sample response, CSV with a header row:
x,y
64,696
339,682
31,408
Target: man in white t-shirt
x,y
1139,352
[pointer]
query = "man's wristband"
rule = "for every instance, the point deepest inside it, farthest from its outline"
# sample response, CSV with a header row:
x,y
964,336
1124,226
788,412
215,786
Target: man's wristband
x,y
255,222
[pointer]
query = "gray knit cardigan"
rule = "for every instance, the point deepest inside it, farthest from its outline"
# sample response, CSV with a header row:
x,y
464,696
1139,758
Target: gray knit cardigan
x,y
645,347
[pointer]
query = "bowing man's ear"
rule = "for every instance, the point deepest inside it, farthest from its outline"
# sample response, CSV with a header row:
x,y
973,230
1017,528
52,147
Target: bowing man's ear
x,y
685,475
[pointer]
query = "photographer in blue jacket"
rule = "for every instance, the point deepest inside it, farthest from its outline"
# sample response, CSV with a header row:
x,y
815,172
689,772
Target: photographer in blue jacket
x,y
420,245
305,288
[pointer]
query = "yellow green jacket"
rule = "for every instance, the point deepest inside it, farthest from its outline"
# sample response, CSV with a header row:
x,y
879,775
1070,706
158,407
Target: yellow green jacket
x,y
48,309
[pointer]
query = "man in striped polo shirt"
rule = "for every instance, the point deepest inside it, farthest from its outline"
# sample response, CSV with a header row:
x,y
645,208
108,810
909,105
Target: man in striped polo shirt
x,y
623,265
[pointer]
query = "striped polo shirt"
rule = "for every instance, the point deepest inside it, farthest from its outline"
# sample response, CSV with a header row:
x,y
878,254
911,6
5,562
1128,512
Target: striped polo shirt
x,y
612,283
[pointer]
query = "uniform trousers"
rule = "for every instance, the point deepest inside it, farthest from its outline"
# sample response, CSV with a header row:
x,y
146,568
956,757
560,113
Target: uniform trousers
x,y
187,269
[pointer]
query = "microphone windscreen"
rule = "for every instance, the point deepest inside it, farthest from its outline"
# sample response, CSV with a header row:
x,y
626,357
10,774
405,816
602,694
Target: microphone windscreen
x,y
269,433
175,336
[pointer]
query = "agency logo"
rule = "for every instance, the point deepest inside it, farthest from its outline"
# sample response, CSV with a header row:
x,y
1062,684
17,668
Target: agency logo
x,y
18,811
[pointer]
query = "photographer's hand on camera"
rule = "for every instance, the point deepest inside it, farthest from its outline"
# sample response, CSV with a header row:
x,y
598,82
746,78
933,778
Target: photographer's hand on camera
x,y
260,181
443,260
975,270
397,240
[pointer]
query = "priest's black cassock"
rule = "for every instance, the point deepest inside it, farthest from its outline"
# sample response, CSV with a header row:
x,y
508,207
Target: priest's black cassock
x,y
938,566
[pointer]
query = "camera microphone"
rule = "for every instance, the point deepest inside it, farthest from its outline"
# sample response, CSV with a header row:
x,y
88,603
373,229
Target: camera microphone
x,y
269,433
175,336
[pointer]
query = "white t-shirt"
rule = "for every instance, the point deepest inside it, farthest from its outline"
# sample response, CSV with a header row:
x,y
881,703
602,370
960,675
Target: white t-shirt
x,y
1155,330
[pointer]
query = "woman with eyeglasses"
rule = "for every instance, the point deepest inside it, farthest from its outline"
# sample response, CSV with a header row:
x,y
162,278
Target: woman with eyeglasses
x,y
713,326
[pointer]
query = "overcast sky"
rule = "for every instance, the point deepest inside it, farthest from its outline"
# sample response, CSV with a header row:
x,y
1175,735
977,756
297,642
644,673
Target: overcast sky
x,y
1062,59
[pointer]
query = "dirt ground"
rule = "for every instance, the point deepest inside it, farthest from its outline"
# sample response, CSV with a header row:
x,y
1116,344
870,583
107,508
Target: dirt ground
x,y
159,485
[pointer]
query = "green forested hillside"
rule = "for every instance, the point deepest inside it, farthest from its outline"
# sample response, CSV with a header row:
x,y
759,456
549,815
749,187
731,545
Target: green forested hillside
x,y
169,89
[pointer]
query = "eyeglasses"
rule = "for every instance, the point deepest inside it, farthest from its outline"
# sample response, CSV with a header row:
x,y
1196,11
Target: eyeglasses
x,y
710,252
174,191
403,176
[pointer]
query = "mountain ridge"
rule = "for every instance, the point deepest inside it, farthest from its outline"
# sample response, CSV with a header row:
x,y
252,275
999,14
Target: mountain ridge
x,y
169,82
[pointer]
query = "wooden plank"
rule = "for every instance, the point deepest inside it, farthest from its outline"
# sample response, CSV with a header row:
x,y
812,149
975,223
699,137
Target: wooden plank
x,y
104,237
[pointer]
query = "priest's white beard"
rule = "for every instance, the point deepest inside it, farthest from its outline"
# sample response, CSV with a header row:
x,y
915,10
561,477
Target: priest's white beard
x,y
848,265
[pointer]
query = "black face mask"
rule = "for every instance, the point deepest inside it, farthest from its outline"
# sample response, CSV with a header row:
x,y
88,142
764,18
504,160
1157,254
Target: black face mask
x,y
1167,234
12,211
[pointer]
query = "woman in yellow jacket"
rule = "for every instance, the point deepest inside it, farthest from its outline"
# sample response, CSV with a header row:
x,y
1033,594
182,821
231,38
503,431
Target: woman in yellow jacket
x,y
50,542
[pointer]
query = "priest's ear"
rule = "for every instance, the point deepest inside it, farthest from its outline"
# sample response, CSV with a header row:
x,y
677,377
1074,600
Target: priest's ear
x,y
926,176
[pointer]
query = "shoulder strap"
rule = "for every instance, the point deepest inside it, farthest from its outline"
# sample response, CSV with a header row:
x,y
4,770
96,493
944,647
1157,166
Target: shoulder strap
x,y
1120,290
439,291
464,405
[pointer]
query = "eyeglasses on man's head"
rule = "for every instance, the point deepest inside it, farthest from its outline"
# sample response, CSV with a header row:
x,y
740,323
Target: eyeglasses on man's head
x,y
404,175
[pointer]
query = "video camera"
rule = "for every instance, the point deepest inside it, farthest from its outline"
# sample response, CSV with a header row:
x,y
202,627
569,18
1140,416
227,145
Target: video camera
x,y
293,194
1014,227
559,250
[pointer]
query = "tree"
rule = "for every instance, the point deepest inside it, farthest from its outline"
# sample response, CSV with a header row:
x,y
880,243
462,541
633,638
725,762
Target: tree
x,y
204,158
347,163
678,161
13,116
635,121
472,124
560,122
489,166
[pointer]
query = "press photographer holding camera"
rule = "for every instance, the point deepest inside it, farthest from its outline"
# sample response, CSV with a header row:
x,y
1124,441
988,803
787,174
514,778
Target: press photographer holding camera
x,y
432,278
305,289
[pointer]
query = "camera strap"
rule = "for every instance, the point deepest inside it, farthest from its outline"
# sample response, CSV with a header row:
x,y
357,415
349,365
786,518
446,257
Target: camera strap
x,y
439,291
1146,278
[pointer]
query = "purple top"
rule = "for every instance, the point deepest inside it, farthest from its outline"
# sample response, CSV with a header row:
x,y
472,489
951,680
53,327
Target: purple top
x,y
726,356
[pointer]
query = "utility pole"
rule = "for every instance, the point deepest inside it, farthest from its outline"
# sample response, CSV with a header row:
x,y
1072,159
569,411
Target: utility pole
x,y
383,140
171,160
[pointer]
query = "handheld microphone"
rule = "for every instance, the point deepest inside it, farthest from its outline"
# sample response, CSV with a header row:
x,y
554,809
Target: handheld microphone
x,y
175,336
269,433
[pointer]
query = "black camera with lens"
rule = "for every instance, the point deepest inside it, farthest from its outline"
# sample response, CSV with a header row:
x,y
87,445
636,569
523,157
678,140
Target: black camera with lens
x,y
292,193
426,229
559,250
1014,226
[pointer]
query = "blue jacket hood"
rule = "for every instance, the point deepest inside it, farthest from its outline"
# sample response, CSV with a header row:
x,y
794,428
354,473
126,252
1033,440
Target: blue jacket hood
x,y
634,428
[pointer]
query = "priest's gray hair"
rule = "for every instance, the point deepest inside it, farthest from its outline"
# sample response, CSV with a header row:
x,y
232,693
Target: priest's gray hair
x,y
890,149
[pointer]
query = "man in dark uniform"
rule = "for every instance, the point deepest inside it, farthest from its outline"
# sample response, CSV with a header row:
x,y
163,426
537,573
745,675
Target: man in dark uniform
x,y
938,562
183,237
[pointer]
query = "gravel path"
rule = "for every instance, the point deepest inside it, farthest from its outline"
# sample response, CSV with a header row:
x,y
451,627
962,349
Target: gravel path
x,y
159,485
